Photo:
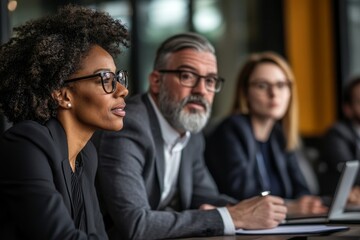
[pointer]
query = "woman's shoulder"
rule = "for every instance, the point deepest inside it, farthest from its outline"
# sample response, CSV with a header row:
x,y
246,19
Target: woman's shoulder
x,y
342,129
27,134
236,124
26,129
236,120
29,145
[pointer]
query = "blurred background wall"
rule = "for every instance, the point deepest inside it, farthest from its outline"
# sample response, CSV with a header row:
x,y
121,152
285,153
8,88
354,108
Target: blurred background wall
x,y
321,40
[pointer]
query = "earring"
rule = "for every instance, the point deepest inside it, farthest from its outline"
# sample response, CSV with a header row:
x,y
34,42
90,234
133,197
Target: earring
x,y
68,105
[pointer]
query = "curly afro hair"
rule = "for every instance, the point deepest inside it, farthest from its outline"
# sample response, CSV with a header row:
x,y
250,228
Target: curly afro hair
x,y
45,52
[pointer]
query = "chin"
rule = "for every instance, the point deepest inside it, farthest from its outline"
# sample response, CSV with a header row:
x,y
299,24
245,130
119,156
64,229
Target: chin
x,y
119,127
277,116
115,127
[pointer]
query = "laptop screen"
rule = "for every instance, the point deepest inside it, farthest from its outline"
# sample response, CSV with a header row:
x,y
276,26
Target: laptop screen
x,y
338,203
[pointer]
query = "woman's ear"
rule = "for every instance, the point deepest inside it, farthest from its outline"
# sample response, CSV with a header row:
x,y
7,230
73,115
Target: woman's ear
x,y
154,80
61,96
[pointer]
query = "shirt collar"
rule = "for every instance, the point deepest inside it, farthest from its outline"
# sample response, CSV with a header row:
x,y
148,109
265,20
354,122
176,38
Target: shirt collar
x,y
170,136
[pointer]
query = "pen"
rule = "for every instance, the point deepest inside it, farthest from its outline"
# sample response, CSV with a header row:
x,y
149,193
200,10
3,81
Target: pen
x,y
264,193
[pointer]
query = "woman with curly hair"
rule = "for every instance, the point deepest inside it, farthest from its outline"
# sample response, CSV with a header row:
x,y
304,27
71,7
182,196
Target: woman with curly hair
x,y
58,85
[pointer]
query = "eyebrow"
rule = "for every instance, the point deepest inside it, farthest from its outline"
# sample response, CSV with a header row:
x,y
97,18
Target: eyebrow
x,y
267,80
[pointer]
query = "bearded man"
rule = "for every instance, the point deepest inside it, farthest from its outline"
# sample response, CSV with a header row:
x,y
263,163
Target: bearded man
x,y
152,179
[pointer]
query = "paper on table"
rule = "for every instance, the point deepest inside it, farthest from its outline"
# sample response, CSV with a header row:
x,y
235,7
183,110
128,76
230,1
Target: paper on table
x,y
293,229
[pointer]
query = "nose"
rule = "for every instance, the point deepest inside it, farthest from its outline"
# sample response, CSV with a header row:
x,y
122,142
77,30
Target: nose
x,y
200,87
272,89
121,90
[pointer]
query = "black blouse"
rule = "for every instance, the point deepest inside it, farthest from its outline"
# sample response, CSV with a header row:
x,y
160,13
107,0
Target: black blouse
x,y
77,195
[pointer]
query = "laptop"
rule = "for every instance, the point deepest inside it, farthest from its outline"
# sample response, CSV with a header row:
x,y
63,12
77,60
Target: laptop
x,y
337,211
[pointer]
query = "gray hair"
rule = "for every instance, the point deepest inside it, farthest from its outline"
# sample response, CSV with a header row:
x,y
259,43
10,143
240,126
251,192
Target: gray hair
x,y
179,42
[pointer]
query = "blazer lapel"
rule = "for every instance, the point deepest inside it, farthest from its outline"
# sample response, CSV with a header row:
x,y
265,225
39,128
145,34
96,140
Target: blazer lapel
x,y
59,137
85,184
67,176
280,162
158,141
185,181
253,148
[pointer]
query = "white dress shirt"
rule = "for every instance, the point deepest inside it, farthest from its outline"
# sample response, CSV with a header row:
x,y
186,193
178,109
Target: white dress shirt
x,y
174,144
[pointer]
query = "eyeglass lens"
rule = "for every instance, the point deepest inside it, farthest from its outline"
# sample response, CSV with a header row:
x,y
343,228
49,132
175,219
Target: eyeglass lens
x,y
266,86
109,80
190,79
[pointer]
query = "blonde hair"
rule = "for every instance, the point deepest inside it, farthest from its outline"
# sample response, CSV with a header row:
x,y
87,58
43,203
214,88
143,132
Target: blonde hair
x,y
240,104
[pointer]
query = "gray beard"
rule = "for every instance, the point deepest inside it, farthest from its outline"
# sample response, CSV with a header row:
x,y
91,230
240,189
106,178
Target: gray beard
x,y
177,117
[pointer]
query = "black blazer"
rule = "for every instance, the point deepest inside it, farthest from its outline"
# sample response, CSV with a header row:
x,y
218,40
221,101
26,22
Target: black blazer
x,y
35,185
341,143
231,158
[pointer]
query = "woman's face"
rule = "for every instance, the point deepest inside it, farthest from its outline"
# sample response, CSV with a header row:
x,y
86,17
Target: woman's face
x,y
269,92
91,106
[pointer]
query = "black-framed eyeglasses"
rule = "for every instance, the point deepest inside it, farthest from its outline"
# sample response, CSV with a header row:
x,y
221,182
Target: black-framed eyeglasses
x,y
108,79
191,79
265,86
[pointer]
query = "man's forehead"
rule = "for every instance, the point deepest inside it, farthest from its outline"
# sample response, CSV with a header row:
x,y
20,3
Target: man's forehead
x,y
193,58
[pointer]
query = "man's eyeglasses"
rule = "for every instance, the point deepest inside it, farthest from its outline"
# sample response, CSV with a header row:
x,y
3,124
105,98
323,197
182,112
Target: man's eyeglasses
x,y
191,79
108,79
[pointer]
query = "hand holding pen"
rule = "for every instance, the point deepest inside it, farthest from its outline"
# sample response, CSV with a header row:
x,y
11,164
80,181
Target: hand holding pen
x,y
264,211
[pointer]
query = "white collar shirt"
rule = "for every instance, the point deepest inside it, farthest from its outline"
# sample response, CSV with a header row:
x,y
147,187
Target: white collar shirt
x,y
174,143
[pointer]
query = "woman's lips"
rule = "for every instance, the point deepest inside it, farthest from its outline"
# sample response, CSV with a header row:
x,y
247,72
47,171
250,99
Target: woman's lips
x,y
119,111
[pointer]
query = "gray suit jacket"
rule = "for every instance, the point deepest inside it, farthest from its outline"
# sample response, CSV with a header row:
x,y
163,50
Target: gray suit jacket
x,y
130,181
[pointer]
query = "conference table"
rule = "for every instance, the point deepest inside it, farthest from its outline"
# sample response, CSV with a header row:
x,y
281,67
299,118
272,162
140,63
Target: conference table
x,y
352,233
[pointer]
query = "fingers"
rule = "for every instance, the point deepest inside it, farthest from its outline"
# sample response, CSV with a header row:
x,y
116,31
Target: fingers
x,y
275,204
307,199
315,209
279,217
275,200
307,205
354,196
258,212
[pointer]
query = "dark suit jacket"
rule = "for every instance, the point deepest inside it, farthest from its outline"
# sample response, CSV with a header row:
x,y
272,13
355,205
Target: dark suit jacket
x,y
231,158
130,177
35,185
339,144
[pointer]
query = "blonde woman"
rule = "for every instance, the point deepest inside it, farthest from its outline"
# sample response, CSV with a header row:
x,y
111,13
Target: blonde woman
x,y
253,150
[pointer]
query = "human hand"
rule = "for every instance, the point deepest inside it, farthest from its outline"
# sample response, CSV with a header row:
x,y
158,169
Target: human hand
x,y
306,205
354,196
258,212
